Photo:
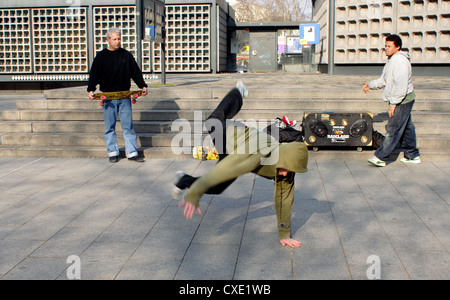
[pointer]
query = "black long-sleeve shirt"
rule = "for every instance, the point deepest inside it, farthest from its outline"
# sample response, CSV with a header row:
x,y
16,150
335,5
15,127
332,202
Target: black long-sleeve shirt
x,y
113,70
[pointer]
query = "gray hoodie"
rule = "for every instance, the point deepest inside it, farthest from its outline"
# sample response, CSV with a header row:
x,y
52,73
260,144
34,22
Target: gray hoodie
x,y
395,79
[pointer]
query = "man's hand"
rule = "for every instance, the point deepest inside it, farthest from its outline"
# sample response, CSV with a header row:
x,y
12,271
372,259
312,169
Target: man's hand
x,y
144,91
391,110
189,209
91,95
365,87
290,242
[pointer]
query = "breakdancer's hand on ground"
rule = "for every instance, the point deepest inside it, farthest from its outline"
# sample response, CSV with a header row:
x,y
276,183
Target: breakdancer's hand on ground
x,y
290,242
189,209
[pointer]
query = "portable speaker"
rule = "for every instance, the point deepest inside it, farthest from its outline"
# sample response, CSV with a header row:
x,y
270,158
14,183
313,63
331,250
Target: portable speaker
x,y
338,129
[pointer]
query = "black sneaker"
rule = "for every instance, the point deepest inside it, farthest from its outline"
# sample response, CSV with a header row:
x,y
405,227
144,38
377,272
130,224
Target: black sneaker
x,y
113,159
137,158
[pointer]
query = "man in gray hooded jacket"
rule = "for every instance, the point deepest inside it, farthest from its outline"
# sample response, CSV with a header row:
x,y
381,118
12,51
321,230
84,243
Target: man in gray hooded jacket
x,y
399,94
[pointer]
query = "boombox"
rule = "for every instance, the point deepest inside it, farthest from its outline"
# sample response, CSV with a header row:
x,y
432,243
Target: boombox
x,y
338,129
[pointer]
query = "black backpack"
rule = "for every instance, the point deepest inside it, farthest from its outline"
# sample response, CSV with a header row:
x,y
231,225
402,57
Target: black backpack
x,y
287,133
377,139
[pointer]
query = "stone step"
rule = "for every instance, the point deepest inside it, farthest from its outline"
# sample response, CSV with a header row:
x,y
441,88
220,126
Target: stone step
x,y
78,126
155,140
86,140
67,124
439,129
336,154
163,152
219,93
438,116
285,104
65,151
86,127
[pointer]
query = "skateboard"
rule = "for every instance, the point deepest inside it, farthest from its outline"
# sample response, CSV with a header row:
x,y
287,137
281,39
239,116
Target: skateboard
x,y
133,95
205,153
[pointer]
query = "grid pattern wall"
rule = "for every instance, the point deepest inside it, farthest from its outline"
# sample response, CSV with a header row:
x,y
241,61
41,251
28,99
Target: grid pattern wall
x,y
360,31
59,40
424,27
123,17
362,26
146,56
15,41
188,39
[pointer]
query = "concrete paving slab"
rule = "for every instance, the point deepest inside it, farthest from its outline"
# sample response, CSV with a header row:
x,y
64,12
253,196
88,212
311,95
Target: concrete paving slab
x,y
209,261
164,244
122,223
426,265
12,252
142,269
66,242
320,263
37,268
104,260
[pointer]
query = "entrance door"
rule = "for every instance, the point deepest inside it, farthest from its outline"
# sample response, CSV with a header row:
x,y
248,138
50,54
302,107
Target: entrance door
x,y
263,52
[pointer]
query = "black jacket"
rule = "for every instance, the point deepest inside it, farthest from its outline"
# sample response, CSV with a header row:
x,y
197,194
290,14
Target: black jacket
x,y
113,70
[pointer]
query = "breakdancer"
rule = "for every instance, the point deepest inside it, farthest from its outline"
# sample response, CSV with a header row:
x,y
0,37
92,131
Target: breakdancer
x,y
272,160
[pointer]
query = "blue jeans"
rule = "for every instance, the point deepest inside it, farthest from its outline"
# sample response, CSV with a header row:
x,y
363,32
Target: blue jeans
x,y
401,134
111,109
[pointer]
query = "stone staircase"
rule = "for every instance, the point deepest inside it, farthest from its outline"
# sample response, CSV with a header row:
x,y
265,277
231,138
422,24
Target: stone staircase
x,y
65,123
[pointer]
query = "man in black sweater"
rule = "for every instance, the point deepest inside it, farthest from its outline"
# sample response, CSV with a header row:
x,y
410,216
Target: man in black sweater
x,y
113,68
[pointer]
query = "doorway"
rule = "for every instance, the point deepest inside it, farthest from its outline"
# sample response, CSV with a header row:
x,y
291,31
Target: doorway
x,y
263,52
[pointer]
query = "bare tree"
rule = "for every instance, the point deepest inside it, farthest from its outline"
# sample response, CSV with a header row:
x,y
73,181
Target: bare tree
x,y
273,10
249,12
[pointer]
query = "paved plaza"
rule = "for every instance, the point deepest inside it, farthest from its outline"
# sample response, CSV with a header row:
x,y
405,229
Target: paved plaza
x,y
121,222
85,218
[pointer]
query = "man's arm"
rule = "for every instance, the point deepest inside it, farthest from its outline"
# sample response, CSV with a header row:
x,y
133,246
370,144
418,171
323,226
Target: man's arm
x,y
375,84
284,203
229,168
136,75
94,75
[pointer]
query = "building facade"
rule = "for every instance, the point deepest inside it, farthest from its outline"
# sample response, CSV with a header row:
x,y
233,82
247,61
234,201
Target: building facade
x,y
358,29
50,40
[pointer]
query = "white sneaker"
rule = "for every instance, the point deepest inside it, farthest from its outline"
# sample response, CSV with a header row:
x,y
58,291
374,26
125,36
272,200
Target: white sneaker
x,y
177,192
242,89
415,160
376,162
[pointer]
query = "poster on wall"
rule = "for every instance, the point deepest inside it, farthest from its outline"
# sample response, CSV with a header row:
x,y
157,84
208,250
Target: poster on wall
x,y
281,44
310,34
293,45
